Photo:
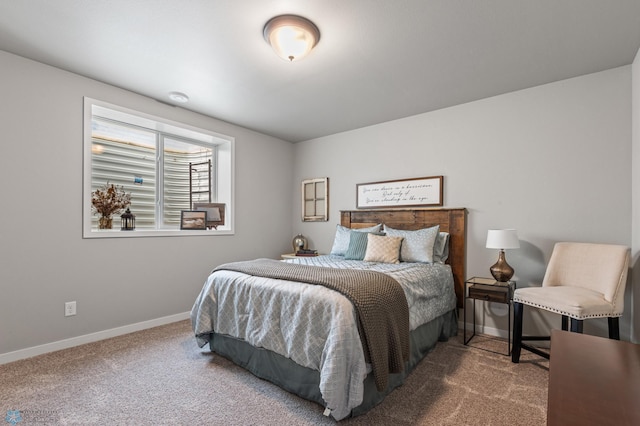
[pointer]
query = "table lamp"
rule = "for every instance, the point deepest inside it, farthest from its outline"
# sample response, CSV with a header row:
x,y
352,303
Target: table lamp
x,y
299,243
502,239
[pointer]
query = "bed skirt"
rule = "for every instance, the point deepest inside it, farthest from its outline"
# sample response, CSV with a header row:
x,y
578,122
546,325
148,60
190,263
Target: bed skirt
x,y
304,381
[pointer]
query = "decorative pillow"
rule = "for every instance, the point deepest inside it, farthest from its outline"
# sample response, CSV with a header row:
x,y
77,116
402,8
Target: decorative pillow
x,y
383,249
343,235
358,245
441,248
417,245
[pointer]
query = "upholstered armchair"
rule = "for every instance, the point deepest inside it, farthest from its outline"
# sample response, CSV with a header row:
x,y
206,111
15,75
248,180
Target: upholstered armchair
x,y
582,281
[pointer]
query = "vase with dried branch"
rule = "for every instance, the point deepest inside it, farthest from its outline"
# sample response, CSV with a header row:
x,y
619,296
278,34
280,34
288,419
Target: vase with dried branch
x,y
108,200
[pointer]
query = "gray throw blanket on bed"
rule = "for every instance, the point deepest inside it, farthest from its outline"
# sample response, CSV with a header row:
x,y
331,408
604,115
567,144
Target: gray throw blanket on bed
x,y
379,301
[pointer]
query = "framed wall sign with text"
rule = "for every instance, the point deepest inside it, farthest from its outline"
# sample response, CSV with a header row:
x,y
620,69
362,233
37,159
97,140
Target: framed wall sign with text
x,y
424,191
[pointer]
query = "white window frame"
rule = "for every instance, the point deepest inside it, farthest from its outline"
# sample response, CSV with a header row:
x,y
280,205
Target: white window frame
x,y
224,169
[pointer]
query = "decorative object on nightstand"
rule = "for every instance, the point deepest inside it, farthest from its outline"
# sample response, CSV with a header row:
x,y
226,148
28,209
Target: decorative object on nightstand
x,y
487,290
299,243
502,239
300,253
127,221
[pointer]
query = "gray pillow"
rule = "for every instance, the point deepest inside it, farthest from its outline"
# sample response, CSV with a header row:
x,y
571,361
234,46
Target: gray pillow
x,y
343,236
441,248
417,246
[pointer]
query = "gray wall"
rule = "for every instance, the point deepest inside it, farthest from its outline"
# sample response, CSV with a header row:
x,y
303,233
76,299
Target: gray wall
x,y
116,282
552,161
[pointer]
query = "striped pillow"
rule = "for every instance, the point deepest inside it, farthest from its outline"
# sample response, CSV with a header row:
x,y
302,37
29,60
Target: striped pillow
x,y
343,235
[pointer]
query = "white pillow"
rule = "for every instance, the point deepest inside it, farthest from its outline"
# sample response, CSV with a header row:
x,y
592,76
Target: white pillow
x,y
383,249
417,245
343,236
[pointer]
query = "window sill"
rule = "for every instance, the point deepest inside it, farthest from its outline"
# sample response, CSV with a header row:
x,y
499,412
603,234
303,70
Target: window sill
x,y
143,233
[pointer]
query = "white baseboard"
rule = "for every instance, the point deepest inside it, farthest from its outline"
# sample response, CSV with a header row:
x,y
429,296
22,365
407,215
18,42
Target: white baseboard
x,y
119,331
89,338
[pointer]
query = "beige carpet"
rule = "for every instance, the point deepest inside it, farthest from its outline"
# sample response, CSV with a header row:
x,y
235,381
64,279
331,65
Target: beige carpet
x,y
160,377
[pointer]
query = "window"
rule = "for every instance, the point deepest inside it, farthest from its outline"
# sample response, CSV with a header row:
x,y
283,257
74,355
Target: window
x,y
167,167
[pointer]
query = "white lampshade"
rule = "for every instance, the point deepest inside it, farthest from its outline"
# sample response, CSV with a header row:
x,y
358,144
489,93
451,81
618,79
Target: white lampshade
x,y
291,36
502,239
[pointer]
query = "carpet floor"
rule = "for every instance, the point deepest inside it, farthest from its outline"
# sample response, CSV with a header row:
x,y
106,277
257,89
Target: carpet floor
x,y
160,377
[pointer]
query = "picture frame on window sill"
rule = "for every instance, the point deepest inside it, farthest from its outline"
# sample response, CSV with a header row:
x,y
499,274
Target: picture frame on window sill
x,y
193,220
215,213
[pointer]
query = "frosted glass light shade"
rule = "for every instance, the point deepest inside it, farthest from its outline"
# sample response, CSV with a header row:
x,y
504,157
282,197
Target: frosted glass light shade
x,y
292,37
502,239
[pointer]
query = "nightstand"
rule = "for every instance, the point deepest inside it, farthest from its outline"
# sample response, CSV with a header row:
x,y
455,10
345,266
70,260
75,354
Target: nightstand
x,y
293,256
487,290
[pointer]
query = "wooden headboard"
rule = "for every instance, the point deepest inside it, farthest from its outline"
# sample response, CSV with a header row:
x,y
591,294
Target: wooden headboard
x,y
453,221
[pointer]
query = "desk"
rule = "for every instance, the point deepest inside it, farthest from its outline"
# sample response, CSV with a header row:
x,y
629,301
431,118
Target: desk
x,y
593,381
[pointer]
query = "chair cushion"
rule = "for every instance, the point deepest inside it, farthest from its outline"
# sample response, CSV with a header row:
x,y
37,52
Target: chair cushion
x,y
574,302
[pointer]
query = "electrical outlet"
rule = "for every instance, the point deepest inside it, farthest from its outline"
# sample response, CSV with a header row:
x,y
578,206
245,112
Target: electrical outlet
x,y
69,309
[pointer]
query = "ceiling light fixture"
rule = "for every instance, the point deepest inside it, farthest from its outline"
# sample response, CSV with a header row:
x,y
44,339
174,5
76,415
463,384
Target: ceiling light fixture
x,y
291,36
179,97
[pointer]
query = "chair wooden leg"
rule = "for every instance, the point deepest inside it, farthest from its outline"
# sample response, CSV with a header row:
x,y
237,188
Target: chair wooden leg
x,y
518,309
565,322
614,328
576,325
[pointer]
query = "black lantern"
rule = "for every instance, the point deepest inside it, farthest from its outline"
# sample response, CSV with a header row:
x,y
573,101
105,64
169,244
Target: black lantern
x,y
128,221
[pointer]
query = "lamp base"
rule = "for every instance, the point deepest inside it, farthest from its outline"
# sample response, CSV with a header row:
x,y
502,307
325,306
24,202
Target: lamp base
x,y
501,270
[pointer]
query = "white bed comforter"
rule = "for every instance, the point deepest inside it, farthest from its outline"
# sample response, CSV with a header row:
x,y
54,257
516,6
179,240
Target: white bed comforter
x,y
313,325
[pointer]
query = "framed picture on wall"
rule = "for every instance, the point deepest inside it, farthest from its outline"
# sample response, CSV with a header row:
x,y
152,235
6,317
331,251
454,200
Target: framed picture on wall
x,y
315,200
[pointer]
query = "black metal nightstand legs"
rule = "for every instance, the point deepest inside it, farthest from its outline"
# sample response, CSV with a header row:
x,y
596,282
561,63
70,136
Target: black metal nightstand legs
x,y
487,290
464,323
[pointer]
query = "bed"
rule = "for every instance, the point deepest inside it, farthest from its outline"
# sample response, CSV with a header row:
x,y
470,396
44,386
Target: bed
x,y
317,341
